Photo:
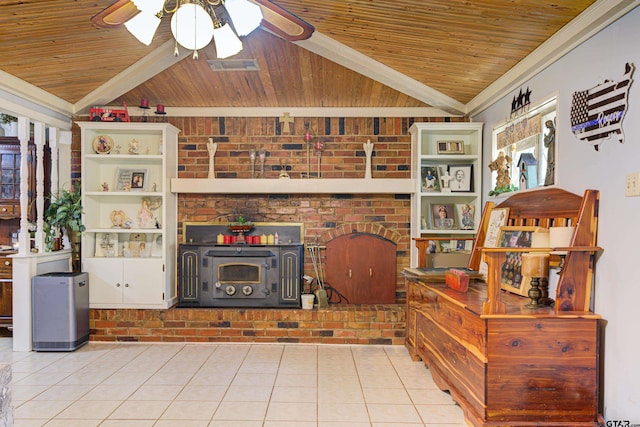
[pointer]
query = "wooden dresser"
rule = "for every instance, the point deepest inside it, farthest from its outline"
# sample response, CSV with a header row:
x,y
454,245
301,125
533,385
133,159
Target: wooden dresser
x,y
506,364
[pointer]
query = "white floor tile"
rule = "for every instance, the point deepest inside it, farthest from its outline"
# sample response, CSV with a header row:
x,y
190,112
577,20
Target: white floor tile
x,y
89,409
190,410
292,411
241,411
226,385
384,413
140,410
343,412
40,409
245,393
294,394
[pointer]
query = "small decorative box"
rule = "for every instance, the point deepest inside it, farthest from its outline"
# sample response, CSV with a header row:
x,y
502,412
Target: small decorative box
x,y
457,280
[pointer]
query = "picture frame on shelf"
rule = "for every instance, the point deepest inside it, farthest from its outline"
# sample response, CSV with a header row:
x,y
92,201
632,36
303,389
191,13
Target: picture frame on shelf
x,y
430,178
432,247
511,278
106,245
466,216
450,146
128,179
497,218
445,246
461,178
442,216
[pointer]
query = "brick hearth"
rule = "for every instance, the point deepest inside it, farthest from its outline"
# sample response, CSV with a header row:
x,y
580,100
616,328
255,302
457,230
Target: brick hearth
x,y
338,324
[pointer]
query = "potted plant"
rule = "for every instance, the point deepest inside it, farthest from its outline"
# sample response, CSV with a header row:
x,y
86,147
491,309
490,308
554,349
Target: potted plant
x,y
9,124
64,214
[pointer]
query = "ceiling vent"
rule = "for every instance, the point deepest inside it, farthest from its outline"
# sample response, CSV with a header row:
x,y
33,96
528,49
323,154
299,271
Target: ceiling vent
x,y
233,64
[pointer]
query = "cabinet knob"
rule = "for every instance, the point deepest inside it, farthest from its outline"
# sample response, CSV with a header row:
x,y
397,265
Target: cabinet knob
x,y
7,263
126,285
4,209
117,285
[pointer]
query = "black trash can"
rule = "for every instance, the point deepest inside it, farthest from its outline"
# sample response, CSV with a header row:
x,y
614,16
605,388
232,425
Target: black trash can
x,y
60,311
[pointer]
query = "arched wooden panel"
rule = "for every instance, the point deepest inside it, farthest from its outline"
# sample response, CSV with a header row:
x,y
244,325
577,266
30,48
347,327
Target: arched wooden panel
x,y
362,267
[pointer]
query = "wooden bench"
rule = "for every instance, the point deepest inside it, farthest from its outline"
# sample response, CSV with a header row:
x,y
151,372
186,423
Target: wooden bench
x,y
505,363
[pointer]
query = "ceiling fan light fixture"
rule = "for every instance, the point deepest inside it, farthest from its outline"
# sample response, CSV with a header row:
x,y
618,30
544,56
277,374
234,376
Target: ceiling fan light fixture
x,y
192,26
245,16
227,43
143,26
149,6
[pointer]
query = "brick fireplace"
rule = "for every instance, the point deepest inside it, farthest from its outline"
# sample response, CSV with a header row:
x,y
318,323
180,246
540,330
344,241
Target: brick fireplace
x,y
324,217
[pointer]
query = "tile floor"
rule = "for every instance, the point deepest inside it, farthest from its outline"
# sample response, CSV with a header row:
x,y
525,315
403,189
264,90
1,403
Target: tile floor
x,y
221,385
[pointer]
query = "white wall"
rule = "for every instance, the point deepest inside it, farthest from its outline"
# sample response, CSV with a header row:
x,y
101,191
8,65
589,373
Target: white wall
x,y
580,167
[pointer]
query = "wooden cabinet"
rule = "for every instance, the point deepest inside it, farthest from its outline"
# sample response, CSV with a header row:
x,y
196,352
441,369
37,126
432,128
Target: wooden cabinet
x,y
129,245
362,267
6,289
448,160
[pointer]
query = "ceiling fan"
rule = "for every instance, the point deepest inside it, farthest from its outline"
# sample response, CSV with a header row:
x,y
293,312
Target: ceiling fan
x,y
275,19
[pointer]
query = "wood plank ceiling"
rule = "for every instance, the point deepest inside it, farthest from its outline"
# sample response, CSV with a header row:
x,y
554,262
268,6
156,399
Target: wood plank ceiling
x,y
457,47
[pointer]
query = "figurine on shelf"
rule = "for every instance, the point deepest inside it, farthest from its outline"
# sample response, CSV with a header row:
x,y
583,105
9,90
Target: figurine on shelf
x,y
145,217
501,165
550,144
134,146
105,186
118,147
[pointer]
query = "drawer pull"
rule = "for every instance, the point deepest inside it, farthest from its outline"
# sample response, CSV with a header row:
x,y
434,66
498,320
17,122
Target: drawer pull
x,y
4,209
7,263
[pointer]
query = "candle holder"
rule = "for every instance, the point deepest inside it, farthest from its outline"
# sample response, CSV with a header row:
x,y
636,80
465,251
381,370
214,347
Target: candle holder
x,y
536,266
319,149
144,106
262,156
283,169
252,161
308,139
560,237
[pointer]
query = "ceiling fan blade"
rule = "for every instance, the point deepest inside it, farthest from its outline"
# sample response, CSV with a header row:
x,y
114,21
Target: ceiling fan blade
x,y
276,19
116,14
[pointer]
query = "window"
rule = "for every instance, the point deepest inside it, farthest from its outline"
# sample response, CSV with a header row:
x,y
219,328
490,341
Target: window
x,y
528,143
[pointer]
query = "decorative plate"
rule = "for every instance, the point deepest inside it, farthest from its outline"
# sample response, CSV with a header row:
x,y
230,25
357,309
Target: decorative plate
x,y
103,144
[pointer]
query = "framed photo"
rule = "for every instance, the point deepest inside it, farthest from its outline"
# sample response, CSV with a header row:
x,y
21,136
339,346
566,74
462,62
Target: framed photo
x,y
131,179
432,247
511,278
442,216
430,178
450,147
446,246
106,245
466,216
461,178
497,218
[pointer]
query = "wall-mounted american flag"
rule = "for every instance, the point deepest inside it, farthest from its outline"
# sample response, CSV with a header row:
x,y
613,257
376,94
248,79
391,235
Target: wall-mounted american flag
x,y
598,112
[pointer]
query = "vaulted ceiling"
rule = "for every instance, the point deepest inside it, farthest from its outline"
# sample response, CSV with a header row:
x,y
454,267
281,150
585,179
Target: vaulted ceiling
x,y
448,54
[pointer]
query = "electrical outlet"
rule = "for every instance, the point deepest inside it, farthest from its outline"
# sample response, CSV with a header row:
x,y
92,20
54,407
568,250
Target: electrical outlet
x,y
632,186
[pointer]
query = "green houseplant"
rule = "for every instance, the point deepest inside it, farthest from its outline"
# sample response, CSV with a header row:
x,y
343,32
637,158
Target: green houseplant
x,y
64,214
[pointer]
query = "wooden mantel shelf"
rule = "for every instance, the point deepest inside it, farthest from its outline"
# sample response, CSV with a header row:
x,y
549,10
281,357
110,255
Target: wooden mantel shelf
x,y
299,186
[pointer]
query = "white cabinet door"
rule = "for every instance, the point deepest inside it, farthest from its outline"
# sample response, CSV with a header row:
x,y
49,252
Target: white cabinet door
x,y
121,283
143,282
105,281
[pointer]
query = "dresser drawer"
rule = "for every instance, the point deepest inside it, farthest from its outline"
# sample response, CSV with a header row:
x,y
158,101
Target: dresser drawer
x,y
6,268
9,210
